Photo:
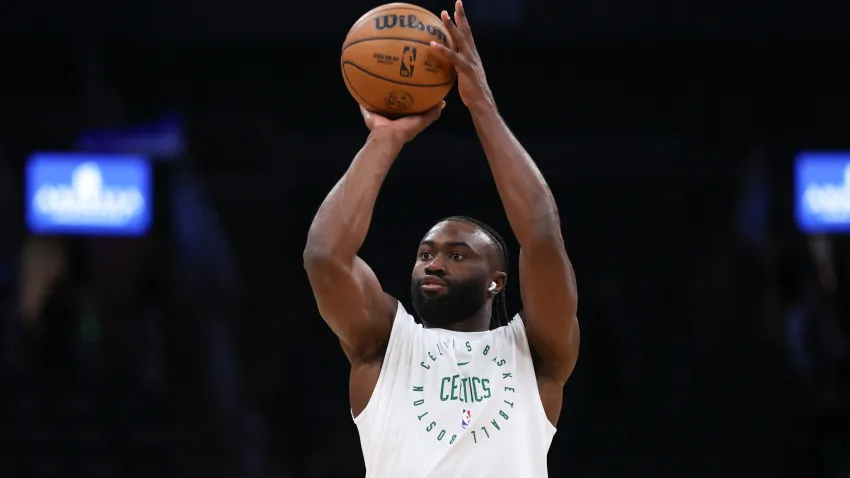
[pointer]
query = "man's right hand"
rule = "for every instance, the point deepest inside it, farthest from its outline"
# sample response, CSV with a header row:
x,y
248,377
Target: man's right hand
x,y
403,129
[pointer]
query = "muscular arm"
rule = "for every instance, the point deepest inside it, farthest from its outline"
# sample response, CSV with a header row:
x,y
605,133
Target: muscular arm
x,y
348,294
547,281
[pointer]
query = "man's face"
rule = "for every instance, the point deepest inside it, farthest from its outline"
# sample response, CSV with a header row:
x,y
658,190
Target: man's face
x,y
451,274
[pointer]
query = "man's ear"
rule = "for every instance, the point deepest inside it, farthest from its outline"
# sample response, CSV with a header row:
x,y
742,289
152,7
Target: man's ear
x,y
497,283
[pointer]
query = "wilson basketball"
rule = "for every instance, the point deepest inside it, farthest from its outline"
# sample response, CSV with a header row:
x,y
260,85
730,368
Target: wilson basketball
x,y
388,64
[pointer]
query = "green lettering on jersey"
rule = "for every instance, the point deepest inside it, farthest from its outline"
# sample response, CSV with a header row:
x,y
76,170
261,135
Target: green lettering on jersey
x,y
484,386
475,385
464,389
454,387
443,395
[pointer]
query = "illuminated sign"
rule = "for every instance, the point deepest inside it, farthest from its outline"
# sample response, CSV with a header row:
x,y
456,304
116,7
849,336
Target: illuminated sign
x,y
822,192
88,194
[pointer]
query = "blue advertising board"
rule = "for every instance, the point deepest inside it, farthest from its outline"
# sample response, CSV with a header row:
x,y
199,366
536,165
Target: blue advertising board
x,y
88,194
822,192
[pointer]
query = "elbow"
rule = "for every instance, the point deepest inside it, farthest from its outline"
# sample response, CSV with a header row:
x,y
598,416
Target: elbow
x,y
541,222
319,247
315,255
320,258
546,219
323,248
545,229
318,264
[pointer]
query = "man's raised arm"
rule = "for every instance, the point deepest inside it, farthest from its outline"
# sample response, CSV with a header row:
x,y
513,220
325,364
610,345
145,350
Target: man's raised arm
x,y
547,282
348,294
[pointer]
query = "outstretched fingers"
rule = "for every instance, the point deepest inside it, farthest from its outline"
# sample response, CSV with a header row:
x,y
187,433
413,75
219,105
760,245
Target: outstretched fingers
x,y
463,24
457,36
460,56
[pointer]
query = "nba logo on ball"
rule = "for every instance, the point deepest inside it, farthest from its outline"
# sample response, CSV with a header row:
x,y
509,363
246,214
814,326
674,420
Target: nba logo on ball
x,y
408,60
465,417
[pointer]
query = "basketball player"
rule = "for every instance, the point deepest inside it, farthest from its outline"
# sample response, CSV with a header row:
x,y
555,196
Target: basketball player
x,y
467,392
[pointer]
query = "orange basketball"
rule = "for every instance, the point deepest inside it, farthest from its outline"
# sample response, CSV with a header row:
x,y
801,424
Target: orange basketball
x,y
388,65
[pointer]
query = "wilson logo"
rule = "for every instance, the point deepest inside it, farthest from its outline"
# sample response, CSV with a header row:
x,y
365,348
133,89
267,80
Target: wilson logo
x,y
389,22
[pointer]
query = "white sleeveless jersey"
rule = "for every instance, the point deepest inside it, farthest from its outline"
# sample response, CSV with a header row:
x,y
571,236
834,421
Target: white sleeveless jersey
x,y
455,404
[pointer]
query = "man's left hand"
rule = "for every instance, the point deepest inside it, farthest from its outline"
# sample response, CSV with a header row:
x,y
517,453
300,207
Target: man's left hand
x,y
471,83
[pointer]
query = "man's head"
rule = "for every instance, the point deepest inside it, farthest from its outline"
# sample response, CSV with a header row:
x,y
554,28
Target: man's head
x,y
461,265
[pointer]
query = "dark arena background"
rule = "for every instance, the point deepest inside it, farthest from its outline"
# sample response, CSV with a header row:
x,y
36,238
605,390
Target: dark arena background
x,y
674,135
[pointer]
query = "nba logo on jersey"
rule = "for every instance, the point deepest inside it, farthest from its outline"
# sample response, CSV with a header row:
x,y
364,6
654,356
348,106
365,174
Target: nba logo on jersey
x,y
465,417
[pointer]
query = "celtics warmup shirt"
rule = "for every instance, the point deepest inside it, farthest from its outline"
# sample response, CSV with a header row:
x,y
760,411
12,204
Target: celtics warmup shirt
x,y
455,404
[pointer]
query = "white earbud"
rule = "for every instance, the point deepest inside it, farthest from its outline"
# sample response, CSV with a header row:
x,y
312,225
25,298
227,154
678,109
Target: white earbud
x,y
492,287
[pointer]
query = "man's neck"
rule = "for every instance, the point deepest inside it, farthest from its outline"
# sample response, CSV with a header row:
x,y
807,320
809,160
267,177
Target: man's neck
x,y
478,322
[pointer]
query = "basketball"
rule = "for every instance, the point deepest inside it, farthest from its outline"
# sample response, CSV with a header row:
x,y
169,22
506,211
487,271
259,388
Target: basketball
x,y
388,64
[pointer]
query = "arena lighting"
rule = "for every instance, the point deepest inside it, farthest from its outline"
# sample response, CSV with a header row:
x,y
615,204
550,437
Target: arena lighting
x,y
71,193
822,192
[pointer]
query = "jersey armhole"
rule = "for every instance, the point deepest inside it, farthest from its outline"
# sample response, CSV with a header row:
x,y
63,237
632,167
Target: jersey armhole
x,y
526,348
400,332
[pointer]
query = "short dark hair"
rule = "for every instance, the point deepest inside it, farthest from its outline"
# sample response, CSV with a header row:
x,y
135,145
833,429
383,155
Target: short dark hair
x,y
499,313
